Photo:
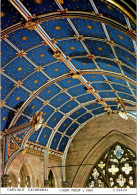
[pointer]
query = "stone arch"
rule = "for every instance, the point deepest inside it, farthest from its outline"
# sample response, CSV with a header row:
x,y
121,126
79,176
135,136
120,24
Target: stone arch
x,y
28,164
51,179
39,182
95,153
56,174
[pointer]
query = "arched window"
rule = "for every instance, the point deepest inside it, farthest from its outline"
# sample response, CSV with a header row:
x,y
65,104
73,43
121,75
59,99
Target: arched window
x,y
115,169
24,178
51,180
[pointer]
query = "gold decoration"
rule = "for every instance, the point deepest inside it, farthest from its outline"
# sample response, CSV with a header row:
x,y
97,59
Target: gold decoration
x,y
60,1
21,53
106,108
76,76
53,40
79,38
24,151
58,55
110,42
74,121
2,70
63,90
18,84
100,101
30,25
32,93
63,134
39,1
91,90
46,103
39,68
44,125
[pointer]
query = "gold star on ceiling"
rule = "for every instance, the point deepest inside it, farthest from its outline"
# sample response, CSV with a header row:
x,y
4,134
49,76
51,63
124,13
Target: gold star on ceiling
x,y
109,7
60,1
108,65
19,68
121,37
48,91
56,70
4,118
72,48
127,58
89,27
38,1
57,27
42,55
24,38
3,14
18,98
35,81
100,48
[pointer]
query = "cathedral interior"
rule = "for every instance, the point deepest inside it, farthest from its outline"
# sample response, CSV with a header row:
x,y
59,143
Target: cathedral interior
x,y
68,93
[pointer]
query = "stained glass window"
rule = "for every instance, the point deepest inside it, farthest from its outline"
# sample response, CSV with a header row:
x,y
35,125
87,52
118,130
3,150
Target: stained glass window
x,y
115,169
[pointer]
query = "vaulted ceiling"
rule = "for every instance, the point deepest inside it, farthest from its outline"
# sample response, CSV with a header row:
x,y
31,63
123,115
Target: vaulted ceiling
x,y
97,43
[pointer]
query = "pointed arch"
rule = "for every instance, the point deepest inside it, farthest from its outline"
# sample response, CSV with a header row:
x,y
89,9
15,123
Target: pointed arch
x,y
108,141
51,179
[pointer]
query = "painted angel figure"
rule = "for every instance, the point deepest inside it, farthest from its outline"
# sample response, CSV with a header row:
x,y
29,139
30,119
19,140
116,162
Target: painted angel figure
x,y
121,108
37,120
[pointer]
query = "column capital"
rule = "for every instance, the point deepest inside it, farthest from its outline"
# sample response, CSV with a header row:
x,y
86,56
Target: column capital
x,y
5,180
64,184
46,183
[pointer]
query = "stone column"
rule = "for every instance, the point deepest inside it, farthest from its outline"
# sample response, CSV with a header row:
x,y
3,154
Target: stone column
x,y
5,181
46,183
64,184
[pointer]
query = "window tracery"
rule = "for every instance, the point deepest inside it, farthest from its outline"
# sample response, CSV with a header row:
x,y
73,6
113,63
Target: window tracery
x,y
115,169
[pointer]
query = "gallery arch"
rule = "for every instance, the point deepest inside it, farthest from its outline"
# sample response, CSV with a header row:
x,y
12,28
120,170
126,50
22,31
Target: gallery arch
x,y
24,177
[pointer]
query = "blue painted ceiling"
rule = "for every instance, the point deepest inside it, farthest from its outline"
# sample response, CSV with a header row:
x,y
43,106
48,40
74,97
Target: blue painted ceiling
x,y
61,102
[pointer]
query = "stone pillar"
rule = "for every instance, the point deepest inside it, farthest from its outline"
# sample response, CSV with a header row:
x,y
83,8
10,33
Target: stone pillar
x,y
5,181
46,183
64,184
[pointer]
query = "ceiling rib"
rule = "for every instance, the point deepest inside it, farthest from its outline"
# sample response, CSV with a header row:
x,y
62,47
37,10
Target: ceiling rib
x,y
54,47
72,14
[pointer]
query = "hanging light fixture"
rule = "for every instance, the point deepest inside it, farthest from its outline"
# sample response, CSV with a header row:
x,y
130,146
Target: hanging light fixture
x,y
121,108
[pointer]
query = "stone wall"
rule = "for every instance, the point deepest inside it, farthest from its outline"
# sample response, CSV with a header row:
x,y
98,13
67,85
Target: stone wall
x,y
89,136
